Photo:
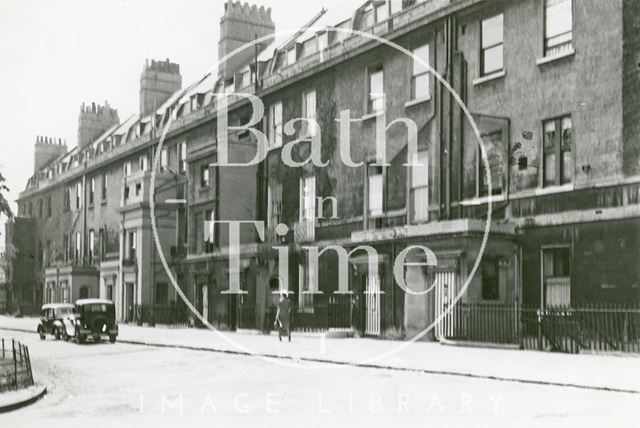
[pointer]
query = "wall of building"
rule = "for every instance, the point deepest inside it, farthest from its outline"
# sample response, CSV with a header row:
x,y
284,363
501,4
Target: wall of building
x,y
586,85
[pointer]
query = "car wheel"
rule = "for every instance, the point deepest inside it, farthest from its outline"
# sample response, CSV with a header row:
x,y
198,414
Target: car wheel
x,y
80,337
56,333
112,339
65,336
41,333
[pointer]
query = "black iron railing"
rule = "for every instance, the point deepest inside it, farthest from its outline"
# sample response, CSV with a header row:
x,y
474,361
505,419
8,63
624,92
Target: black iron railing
x,y
15,366
590,327
321,314
484,322
593,327
175,315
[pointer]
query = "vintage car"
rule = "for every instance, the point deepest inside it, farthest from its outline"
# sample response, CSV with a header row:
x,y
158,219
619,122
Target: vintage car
x,y
95,318
52,319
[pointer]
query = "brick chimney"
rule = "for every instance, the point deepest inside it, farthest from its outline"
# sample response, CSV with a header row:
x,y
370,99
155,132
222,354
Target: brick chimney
x,y
47,149
93,121
158,81
241,24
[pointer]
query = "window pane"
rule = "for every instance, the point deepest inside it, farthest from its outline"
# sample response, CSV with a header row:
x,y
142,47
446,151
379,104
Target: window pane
x,y
490,280
376,91
323,40
375,195
492,31
558,17
420,86
396,6
382,12
291,56
549,135
421,52
310,104
492,59
566,133
419,177
375,82
493,146
549,168
421,204
567,167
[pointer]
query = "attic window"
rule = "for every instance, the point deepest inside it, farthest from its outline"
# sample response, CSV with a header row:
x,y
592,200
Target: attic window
x,y
291,55
382,12
323,40
229,86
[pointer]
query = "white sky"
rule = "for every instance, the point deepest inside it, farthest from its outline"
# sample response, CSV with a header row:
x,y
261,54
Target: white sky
x,y
55,55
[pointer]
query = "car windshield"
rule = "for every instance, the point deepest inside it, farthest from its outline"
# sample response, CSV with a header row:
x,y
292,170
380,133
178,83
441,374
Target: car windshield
x,y
98,307
64,311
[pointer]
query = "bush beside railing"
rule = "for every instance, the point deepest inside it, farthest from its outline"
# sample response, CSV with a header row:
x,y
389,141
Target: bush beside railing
x,y
15,366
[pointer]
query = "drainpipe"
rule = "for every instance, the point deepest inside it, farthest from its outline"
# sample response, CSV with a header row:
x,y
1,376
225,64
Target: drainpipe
x,y
84,216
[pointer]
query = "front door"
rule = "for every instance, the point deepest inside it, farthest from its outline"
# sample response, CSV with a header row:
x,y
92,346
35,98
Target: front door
x,y
372,299
204,301
445,292
129,301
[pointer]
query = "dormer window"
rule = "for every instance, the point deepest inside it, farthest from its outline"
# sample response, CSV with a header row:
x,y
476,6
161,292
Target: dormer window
x,y
291,55
323,40
382,12
229,86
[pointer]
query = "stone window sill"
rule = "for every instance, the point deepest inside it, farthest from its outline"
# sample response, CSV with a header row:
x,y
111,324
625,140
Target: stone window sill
x,y
556,57
417,101
490,77
481,200
371,115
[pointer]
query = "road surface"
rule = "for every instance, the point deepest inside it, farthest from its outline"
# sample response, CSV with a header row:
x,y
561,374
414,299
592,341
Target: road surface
x,y
123,385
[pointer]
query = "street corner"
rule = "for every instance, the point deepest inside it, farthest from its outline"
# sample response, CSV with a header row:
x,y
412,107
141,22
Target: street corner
x,y
14,400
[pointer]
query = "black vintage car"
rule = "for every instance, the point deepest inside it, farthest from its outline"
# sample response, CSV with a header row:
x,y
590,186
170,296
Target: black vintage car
x,y
52,319
95,318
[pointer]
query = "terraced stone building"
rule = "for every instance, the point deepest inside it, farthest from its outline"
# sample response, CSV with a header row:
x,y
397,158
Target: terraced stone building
x,y
555,104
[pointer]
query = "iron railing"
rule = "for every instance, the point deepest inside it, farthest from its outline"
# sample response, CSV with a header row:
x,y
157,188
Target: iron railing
x,y
15,366
319,315
603,327
175,315
484,322
593,327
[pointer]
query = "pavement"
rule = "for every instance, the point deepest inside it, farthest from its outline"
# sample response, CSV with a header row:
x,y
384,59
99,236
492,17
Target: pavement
x,y
13,400
128,385
585,371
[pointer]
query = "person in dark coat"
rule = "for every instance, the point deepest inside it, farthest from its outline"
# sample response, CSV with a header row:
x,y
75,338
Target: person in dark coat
x,y
283,316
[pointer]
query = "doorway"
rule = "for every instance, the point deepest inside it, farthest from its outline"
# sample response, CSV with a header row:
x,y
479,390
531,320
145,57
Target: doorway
x,y
130,301
445,292
203,301
366,313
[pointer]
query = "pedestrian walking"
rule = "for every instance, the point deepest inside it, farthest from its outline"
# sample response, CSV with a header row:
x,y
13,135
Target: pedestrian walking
x,y
283,316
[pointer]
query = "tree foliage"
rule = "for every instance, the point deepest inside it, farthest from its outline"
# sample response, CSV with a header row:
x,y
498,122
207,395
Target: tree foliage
x,y
5,208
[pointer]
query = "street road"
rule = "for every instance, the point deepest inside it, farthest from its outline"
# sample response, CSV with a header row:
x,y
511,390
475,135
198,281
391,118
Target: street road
x,y
124,385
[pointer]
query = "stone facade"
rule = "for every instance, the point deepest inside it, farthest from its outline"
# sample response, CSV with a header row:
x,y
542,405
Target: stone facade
x,y
564,203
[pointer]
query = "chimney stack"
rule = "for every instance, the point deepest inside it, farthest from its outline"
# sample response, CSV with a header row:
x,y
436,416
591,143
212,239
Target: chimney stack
x,y
47,149
93,121
158,81
241,24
